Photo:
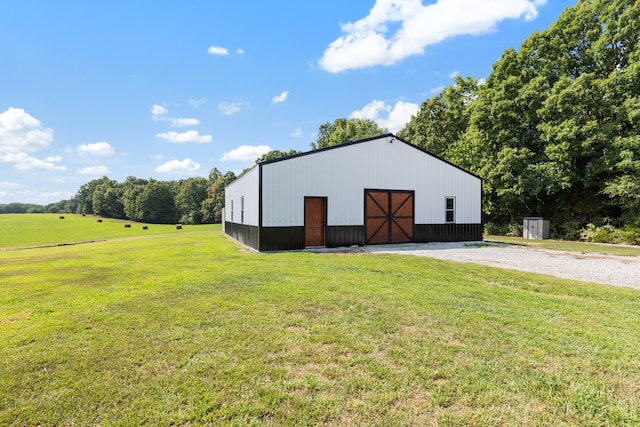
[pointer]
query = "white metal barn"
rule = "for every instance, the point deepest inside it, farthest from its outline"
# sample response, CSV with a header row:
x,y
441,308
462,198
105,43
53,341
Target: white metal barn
x,y
373,191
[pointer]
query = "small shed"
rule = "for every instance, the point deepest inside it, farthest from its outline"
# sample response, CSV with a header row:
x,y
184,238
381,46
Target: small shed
x,y
378,190
535,228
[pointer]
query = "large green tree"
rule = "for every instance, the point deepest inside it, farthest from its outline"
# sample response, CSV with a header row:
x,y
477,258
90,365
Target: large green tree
x,y
554,129
575,91
276,154
132,187
193,192
214,203
443,119
344,130
107,199
156,203
84,197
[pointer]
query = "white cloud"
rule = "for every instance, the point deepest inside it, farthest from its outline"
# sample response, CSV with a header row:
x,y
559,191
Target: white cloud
x,y
10,185
435,90
158,110
280,98
216,50
454,74
184,137
296,133
240,51
20,131
182,122
229,107
94,170
369,41
97,149
197,103
482,81
246,153
178,166
157,156
23,161
393,118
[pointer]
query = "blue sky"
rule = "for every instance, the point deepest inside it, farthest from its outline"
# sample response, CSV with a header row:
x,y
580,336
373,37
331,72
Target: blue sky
x,y
170,90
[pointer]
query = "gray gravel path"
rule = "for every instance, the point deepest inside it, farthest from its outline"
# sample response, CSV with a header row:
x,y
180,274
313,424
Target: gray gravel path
x,y
595,268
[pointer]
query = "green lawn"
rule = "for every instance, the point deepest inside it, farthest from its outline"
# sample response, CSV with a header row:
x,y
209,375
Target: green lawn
x,y
567,245
186,329
26,230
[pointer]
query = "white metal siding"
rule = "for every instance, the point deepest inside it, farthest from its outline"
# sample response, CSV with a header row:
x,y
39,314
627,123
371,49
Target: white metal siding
x,y
246,186
343,173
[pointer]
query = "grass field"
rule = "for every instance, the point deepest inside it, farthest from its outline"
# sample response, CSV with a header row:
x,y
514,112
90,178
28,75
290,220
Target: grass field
x,y
571,246
186,329
26,230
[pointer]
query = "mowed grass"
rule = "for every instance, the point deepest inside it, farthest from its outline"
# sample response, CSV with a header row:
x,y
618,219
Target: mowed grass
x,y
26,230
186,329
566,245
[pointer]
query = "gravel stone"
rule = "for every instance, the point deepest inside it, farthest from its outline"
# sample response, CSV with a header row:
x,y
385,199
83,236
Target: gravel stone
x,y
595,268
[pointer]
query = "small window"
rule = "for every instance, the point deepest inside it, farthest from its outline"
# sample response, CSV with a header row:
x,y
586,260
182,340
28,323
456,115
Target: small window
x,y
242,209
450,209
231,210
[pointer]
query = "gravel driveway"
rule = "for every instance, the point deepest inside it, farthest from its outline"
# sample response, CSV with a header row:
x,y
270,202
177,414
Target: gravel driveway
x,y
595,268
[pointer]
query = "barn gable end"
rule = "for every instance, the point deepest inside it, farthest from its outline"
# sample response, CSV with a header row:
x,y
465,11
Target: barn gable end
x,y
378,190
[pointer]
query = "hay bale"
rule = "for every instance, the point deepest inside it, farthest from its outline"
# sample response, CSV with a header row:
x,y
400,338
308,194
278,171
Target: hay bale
x,y
99,220
127,226
144,227
178,226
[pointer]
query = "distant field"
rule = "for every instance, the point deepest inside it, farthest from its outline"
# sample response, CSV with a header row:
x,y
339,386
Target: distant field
x,y
20,230
186,329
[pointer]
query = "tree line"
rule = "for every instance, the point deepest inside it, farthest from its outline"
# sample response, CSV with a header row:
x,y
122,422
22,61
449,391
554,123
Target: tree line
x,y
191,201
63,206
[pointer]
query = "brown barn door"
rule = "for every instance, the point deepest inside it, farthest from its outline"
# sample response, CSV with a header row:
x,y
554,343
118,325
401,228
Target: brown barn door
x,y
389,216
315,220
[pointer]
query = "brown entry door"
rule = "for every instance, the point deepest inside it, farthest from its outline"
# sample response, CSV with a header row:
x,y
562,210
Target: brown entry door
x,y
315,220
389,216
